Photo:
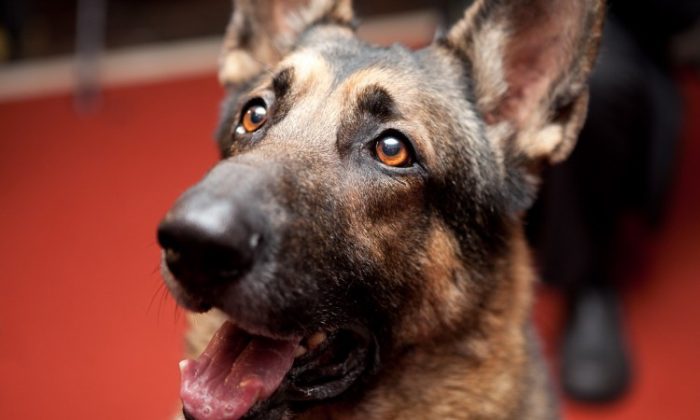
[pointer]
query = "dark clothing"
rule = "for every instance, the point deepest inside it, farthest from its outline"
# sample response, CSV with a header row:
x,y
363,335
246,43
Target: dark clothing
x,y
623,161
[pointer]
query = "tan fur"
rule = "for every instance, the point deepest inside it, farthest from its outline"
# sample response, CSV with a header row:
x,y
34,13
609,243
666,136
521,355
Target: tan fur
x,y
409,94
519,76
488,67
202,329
485,375
282,22
443,303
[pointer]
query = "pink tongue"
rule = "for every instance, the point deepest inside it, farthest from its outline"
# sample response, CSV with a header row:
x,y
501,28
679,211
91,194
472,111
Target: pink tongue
x,y
235,371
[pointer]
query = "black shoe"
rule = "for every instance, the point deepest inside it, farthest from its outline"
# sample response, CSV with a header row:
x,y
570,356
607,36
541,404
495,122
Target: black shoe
x,y
595,365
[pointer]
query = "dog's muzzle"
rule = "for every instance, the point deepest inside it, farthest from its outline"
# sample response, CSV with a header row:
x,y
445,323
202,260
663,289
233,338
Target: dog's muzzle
x,y
221,242
213,232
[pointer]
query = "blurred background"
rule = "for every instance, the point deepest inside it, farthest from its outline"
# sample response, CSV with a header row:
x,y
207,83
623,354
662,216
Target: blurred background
x,y
107,113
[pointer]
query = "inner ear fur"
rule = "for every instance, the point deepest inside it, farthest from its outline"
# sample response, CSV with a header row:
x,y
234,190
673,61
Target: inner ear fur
x,y
261,32
530,61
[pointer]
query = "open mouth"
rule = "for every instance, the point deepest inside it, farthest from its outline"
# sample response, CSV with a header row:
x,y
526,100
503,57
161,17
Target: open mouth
x,y
245,375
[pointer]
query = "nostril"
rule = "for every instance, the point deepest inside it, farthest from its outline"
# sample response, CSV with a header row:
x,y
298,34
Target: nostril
x,y
172,256
171,239
166,237
198,254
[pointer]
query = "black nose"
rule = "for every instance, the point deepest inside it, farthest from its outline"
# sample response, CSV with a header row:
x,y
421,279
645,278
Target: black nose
x,y
208,239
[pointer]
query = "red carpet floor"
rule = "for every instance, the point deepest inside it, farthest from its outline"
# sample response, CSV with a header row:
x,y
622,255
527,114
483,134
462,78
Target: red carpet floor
x,y
86,330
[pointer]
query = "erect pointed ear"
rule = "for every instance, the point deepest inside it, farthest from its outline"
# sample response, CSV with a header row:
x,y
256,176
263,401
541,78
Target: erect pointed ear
x,y
529,62
261,32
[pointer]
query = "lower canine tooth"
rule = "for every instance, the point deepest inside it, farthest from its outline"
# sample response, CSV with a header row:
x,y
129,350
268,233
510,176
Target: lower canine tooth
x,y
316,339
183,365
299,351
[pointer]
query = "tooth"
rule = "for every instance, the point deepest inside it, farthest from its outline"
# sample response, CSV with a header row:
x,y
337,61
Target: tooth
x,y
183,365
299,351
316,339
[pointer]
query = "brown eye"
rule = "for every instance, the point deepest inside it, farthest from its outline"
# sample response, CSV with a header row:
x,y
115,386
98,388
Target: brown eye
x,y
253,118
393,151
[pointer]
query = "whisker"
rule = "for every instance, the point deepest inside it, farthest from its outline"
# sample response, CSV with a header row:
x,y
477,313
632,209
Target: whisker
x,y
156,270
159,290
163,298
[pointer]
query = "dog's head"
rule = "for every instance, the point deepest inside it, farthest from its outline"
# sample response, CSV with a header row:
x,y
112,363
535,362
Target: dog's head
x,y
366,195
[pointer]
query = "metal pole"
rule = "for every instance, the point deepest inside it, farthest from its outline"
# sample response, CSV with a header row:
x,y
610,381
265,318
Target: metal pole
x,y
89,43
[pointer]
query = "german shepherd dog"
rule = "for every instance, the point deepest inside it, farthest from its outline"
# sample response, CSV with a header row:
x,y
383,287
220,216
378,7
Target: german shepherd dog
x,y
358,252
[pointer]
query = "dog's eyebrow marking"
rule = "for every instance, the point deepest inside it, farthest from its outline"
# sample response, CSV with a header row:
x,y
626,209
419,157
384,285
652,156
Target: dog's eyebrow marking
x,y
282,82
376,101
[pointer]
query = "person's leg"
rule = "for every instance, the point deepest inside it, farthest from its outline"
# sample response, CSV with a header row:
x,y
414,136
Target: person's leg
x,y
12,14
575,224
